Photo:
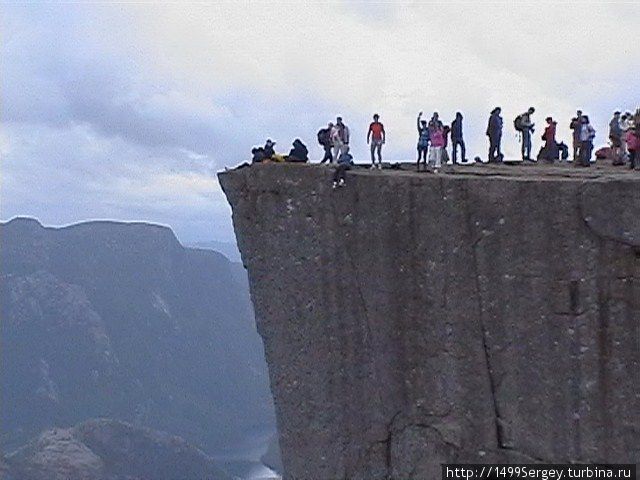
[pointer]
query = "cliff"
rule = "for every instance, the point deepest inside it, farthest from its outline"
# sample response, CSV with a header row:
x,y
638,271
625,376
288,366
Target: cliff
x,y
490,314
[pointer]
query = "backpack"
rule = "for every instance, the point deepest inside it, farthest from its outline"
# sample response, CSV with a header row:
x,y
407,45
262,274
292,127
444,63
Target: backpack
x,y
517,123
323,136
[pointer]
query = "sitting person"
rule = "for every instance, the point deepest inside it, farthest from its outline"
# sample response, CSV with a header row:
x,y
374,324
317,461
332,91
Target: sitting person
x,y
345,162
270,154
269,150
299,152
258,155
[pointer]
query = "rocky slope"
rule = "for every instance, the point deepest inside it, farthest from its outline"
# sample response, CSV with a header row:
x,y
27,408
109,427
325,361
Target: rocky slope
x,y
106,319
482,315
109,450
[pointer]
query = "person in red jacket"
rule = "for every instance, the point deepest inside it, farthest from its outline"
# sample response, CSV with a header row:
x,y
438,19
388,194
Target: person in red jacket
x,y
550,150
376,136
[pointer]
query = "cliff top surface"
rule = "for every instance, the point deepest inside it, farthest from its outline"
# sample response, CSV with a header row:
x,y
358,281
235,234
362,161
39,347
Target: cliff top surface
x,y
565,171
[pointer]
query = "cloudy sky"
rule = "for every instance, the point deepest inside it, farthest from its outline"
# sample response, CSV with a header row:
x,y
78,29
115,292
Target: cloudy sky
x,y
126,110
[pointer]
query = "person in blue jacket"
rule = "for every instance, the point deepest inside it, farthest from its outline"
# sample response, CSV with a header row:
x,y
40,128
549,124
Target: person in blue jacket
x,y
423,141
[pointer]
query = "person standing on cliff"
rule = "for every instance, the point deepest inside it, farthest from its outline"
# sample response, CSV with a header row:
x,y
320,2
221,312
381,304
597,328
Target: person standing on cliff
x,y
587,134
423,141
550,149
446,130
575,126
615,137
633,145
456,139
340,138
494,132
324,139
436,137
435,121
376,136
525,126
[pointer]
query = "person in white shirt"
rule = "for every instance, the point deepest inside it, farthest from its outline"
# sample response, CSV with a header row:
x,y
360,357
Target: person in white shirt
x,y
339,137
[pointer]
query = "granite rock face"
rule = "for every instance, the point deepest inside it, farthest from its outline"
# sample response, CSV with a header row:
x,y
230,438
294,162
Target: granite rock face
x,y
484,315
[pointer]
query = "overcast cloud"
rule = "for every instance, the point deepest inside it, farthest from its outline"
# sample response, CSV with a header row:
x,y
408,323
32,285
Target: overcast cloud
x,y
126,111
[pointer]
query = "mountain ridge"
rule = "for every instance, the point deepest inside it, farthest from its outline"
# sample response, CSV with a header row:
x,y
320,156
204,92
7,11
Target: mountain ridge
x,y
119,320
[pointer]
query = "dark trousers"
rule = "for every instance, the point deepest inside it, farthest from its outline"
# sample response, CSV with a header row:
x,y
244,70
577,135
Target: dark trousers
x,y
454,153
494,148
585,153
327,154
632,158
341,172
526,144
422,155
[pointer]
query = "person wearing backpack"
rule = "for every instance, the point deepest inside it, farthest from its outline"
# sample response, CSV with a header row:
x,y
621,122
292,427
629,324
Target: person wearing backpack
x,y
456,139
525,126
575,126
377,136
324,139
494,132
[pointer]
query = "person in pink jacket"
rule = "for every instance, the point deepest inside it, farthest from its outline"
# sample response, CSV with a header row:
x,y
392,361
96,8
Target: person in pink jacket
x,y
436,134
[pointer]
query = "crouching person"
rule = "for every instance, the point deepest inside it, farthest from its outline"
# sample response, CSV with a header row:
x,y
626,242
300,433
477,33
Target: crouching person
x,y
345,162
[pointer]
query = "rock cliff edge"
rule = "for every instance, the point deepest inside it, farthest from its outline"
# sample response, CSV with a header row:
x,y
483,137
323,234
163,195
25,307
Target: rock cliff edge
x,y
486,315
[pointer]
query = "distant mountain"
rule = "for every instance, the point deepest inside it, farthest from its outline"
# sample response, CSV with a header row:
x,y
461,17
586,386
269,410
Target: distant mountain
x,y
228,249
109,450
118,320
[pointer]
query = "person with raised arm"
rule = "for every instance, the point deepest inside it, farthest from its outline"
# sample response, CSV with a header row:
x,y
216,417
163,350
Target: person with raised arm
x,y
423,141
